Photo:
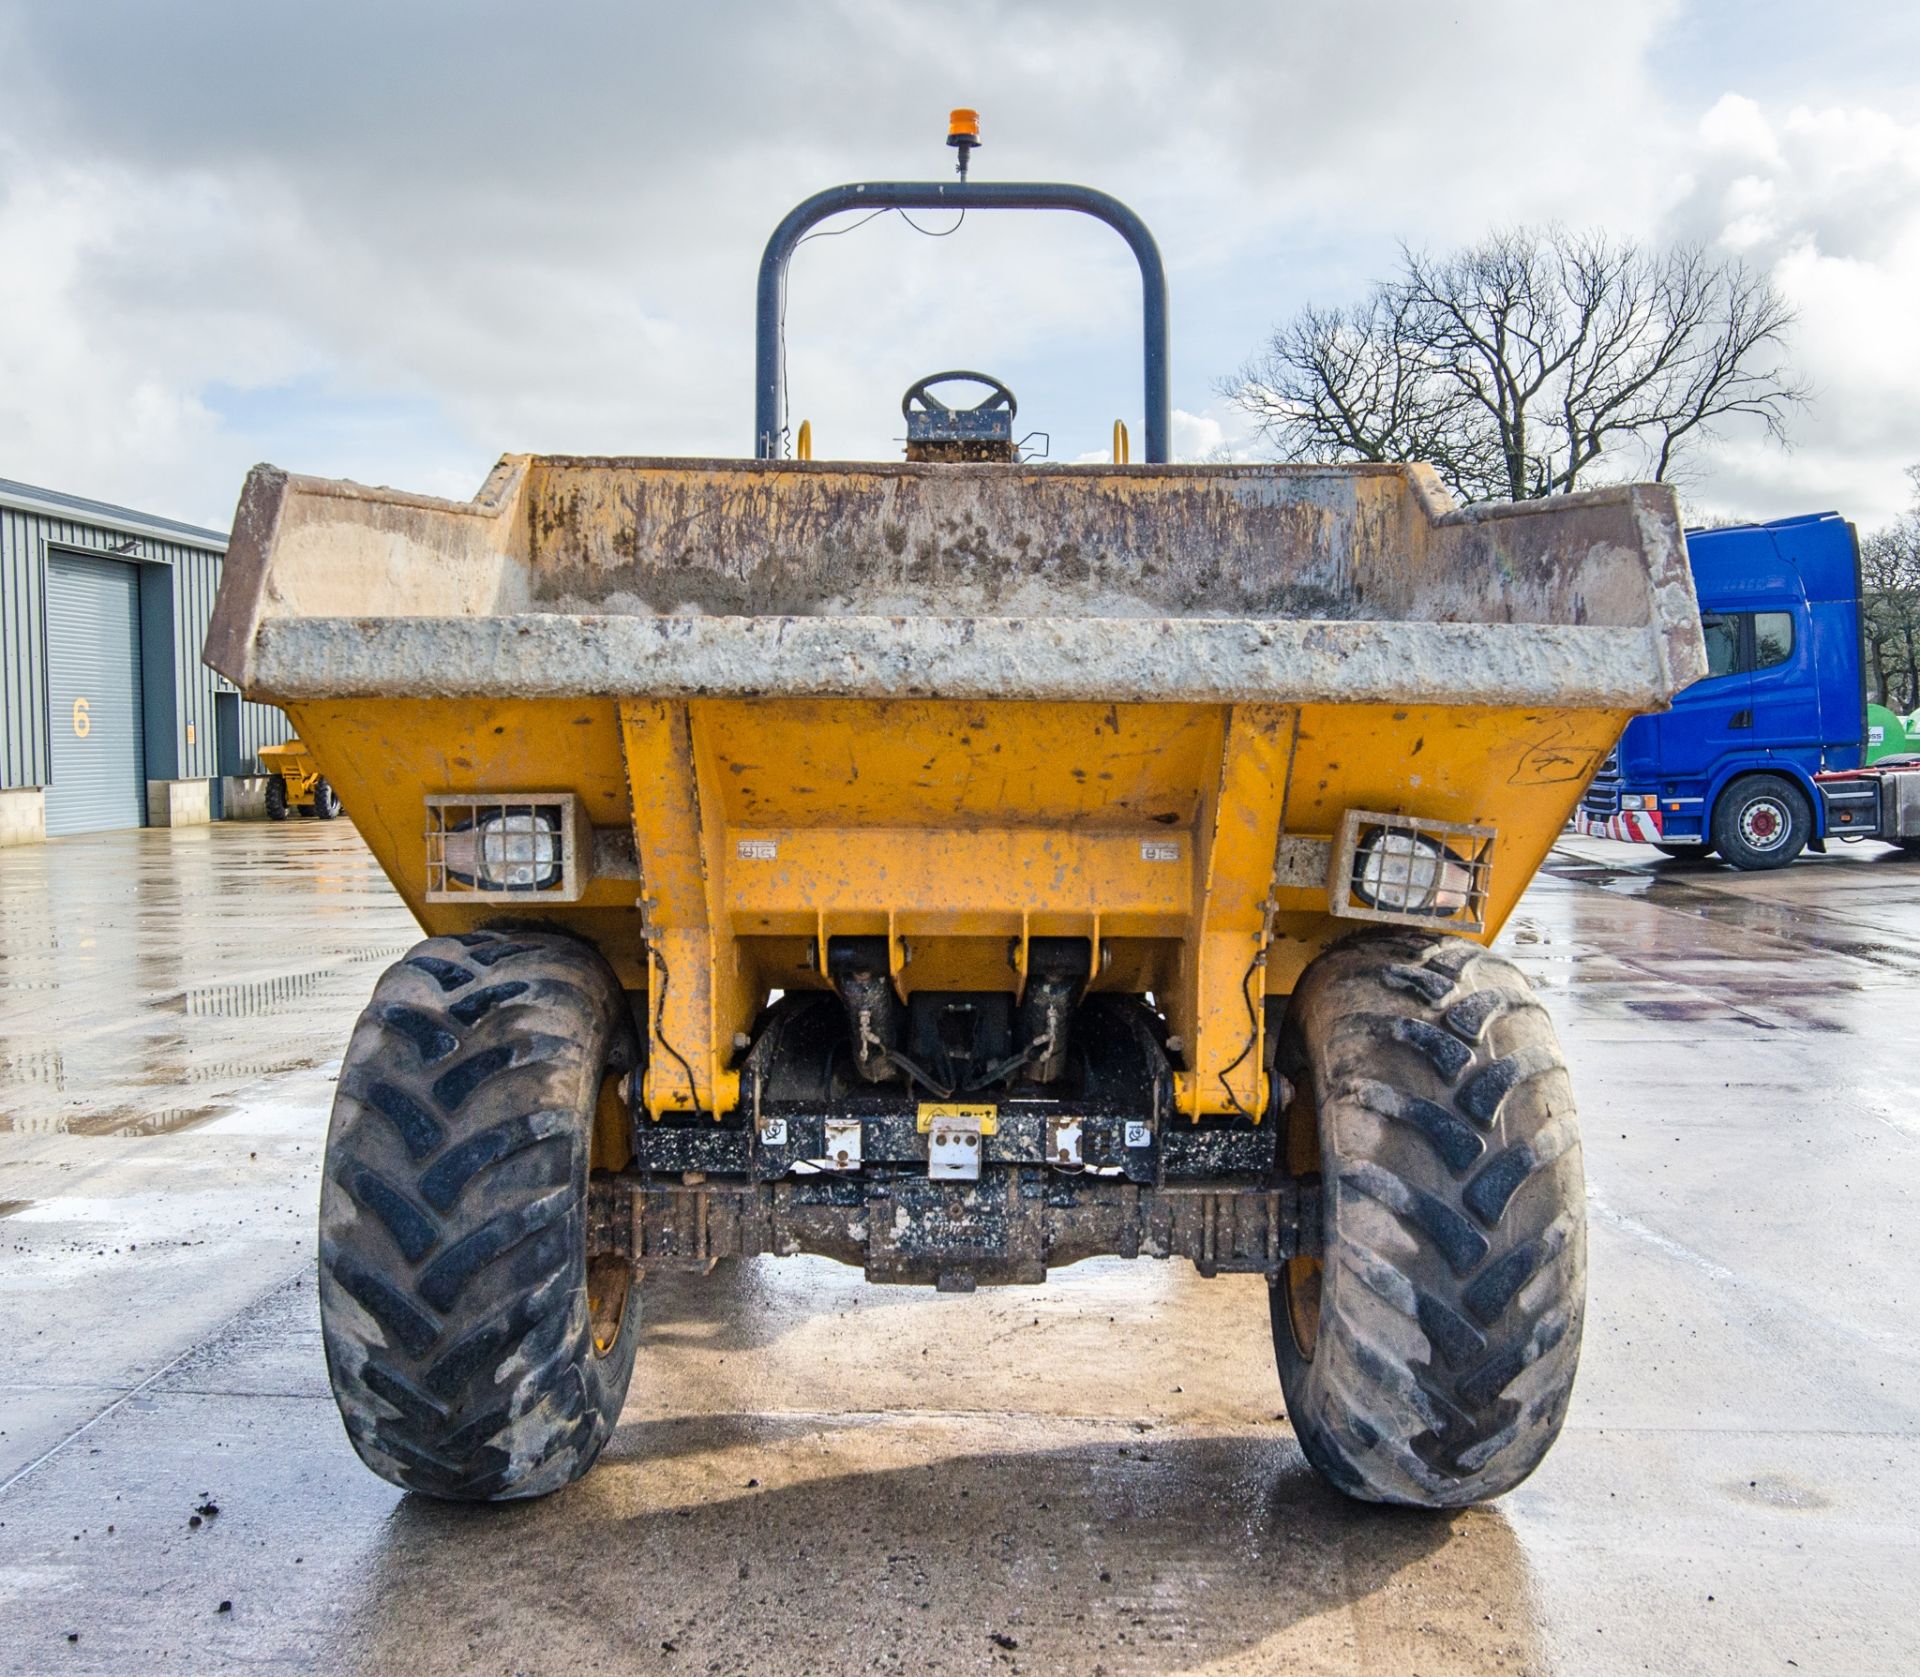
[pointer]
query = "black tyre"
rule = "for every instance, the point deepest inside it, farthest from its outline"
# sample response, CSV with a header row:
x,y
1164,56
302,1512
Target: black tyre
x,y
276,798
1761,821
326,801
477,1348
1428,1354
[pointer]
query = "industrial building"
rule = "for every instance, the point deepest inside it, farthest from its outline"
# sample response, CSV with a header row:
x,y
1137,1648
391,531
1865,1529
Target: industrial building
x,y
107,716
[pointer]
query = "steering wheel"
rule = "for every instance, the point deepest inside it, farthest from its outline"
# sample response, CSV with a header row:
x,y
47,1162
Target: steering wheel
x,y
998,396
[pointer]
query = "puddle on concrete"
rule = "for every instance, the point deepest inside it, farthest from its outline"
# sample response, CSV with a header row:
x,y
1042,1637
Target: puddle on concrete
x,y
392,952
45,1068
1799,914
119,1122
1692,1010
247,1071
167,1120
9,1207
250,999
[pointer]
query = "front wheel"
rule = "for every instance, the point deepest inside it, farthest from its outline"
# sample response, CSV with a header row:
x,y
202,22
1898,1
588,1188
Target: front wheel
x,y
276,798
478,1348
1428,1353
326,801
1761,822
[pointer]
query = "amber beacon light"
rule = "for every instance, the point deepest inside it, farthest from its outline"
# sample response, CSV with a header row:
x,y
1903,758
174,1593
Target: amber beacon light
x,y
963,134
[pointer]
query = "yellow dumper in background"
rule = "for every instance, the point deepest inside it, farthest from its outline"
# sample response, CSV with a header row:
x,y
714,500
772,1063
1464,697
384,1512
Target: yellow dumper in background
x,y
295,783
960,868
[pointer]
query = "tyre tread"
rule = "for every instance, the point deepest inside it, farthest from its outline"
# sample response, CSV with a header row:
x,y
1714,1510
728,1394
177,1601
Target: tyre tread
x,y
453,1235
1454,1202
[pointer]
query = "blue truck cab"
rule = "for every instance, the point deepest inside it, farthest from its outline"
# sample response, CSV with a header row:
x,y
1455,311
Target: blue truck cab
x,y
1731,767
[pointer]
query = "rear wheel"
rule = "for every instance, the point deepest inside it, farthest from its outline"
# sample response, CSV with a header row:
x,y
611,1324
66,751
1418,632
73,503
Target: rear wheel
x,y
326,801
1761,822
276,798
478,1348
1428,1355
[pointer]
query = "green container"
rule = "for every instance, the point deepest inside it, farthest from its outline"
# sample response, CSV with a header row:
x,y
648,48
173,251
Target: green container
x,y
1889,734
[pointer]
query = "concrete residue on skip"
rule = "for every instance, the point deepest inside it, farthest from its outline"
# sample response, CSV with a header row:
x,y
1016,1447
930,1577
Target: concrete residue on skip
x,y
746,577
1106,659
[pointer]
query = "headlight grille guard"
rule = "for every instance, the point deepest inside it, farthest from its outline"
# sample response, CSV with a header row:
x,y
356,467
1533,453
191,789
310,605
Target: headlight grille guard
x,y
546,832
1461,864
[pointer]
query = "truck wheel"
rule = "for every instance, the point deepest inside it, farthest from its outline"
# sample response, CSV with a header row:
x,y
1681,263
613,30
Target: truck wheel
x,y
276,798
478,1349
1761,821
1428,1354
326,801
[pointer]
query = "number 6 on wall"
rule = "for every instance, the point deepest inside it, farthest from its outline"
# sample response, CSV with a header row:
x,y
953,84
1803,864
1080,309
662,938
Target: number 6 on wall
x,y
82,719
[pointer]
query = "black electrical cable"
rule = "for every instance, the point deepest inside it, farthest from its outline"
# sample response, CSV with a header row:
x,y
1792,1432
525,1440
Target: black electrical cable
x,y
914,1071
928,232
835,232
786,406
786,410
1008,1067
666,978
1253,1020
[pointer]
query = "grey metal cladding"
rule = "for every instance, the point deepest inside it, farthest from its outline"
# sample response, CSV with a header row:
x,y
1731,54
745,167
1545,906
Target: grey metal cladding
x,y
23,665
36,526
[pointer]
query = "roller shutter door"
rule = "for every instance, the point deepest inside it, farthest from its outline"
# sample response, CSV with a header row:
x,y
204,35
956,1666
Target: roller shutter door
x,y
93,684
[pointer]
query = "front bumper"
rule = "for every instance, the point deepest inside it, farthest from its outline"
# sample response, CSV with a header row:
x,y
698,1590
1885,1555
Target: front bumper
x,y
1635,826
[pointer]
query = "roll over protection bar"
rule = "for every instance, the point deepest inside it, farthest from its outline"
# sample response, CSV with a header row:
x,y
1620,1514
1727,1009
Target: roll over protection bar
x,y
770,373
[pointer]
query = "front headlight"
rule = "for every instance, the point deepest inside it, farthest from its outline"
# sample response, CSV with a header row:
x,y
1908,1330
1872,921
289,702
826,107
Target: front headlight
x,y
1404,873
516,850
507,846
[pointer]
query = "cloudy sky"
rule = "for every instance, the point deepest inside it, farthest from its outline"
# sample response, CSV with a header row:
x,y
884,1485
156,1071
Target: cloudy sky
x,y
391,239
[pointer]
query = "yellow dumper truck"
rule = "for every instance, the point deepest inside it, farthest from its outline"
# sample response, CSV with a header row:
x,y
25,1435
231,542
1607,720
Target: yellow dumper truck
x,y
958,867
295,783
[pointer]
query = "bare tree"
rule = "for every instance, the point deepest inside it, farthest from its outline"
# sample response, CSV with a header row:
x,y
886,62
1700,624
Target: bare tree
x,y
1890,608
1518,366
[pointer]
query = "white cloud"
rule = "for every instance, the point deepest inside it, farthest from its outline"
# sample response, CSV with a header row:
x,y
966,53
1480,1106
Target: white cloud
x,y
1828,202
91,393
391,241
1199,436
1736,130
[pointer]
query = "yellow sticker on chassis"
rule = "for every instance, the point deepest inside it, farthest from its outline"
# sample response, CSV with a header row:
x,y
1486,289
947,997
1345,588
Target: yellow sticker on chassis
x,y
985,1114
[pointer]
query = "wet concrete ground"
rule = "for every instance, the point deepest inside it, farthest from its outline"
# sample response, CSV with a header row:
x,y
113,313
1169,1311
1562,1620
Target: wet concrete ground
x,y
1091,1477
